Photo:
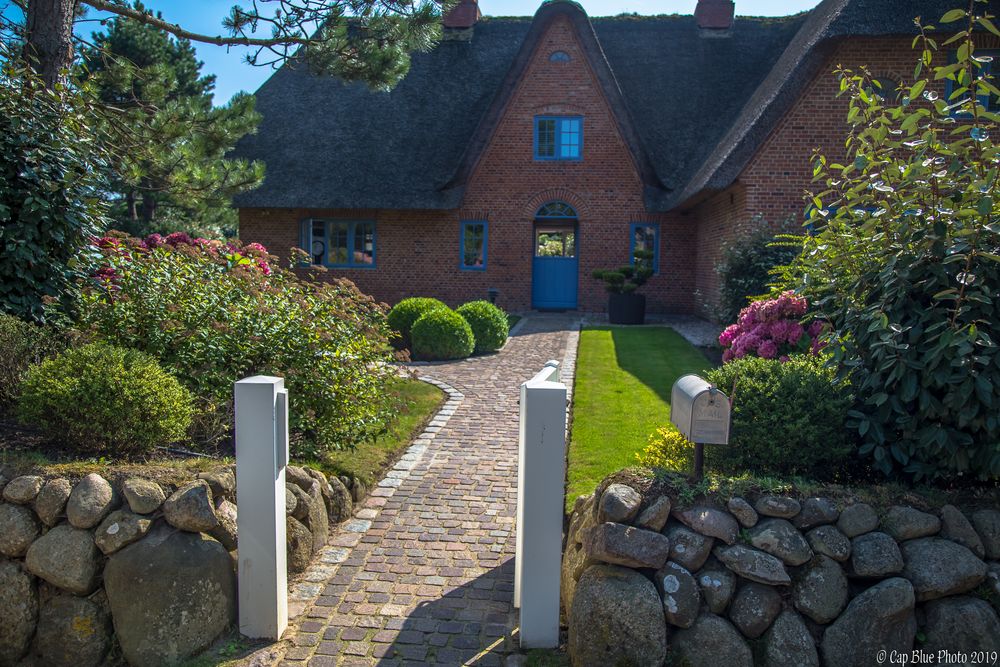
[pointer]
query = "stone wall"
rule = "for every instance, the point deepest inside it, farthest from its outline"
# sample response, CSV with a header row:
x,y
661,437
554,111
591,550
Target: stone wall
x,y
777,581
95,569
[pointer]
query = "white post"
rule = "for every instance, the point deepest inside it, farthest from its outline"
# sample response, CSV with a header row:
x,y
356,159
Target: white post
x,y
541,473
261,457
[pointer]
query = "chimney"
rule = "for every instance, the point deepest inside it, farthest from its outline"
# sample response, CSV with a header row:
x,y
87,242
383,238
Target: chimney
x,y
714,14
462,16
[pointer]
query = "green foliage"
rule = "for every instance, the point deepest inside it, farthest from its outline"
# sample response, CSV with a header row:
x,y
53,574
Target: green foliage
x,y
905,263
405,313
52,177
442,334
105,400
787,418
213,314
489,324
746,269
627,279
667,450
21,345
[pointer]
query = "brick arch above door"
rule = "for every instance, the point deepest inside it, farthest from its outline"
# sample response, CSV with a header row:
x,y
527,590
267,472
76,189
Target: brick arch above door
x,y
555,194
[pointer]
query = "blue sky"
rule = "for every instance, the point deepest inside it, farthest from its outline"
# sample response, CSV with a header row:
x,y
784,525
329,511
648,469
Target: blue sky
x,y
234,75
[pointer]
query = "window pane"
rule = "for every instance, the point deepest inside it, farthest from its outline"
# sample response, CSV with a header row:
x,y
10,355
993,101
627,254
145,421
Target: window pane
x,y
364,243
555,243
472,253
569,138
317,249
645,238
338,242
546,137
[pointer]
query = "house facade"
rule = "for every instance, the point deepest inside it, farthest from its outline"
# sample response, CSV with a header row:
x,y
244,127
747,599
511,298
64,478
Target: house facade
x,y
523,153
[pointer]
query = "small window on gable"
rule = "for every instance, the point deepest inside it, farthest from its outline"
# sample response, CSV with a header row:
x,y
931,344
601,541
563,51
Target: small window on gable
x,y
473,246
885,89
646,237
989,62
339,243
559,57
558,137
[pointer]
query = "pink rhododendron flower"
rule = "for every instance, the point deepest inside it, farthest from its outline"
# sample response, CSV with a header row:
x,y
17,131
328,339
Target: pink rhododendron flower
x,y
772,329
768,349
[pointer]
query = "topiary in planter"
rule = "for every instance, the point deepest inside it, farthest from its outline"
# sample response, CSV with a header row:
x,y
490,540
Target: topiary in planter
x,y
405,313
442,334
490,326
107,400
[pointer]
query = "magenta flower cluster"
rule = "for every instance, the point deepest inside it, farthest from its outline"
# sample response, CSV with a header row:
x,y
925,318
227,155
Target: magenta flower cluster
x,y
772,329
253,254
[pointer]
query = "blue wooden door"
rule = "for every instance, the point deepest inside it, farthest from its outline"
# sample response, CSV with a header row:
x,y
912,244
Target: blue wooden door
x,y
555,268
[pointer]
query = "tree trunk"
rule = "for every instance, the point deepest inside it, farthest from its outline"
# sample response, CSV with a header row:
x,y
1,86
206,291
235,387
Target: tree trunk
x,y
133,211
49,40
148,208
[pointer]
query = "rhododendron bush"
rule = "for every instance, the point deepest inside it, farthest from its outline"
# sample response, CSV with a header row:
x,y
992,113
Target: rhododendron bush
x,y
214,312
772,329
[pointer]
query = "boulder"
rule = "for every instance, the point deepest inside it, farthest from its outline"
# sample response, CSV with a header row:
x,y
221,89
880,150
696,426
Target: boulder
x,y
857,519
291,501
18,611
743,511
191,508
616,619
619,504
753,564
92,499
22,490
619,544
50,503
119,529
300,502
4,479
880,620
938,567
339,503
829,541
754,609
188,596
816,512
316,519
688,548
777,506
581,521
18,529
779,538
820,590
987,525
297,475
710,642
875,555
299,543
222,483
225,532
717,587
144,496
993,577
67,558
655,516
574,563
961,624
680,594
907,523
957,528
789,644
72,632
711,522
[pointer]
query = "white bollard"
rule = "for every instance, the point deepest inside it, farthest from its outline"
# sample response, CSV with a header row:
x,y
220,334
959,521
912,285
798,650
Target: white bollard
x,y
261,457
541,474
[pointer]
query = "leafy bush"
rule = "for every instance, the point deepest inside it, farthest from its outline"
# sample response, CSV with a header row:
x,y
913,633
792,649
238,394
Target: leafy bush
x,y
489,324
787,417
405,313
21,345
746,268
106,400
214,313
905,263
772,329
668,450
442,334
627,279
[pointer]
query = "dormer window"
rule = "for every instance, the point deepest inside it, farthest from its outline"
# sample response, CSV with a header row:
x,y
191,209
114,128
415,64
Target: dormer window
x,y
559,57
558,137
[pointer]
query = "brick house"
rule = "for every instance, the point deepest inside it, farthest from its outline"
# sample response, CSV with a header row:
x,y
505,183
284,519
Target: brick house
x,y
522,153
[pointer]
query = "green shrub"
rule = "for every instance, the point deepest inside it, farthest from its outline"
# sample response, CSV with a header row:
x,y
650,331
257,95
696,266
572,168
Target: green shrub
x,y
490,326
405,313
442,334
21,345
788,418
745,270
105,400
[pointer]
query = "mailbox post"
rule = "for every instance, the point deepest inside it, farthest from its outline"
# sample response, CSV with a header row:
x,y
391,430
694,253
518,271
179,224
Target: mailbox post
x,y
701,413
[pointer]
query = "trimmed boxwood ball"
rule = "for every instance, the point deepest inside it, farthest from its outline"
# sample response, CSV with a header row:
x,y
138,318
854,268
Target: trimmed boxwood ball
x,y
442,334
489,324
405,313
106,400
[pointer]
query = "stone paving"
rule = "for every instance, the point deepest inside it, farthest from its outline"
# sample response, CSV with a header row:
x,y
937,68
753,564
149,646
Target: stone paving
x,y
424,573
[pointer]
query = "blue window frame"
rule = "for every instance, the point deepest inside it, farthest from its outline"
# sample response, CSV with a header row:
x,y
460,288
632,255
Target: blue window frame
x,y
472,246
558,138
991,67
339,243
646,236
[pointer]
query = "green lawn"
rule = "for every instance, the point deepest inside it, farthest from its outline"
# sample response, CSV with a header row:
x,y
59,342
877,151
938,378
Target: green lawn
x,y
622,394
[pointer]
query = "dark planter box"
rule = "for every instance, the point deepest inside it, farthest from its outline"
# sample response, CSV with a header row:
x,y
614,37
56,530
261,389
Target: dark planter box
x,y
626,308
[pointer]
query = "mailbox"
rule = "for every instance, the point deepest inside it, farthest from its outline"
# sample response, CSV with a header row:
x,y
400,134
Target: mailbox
x,y
700,411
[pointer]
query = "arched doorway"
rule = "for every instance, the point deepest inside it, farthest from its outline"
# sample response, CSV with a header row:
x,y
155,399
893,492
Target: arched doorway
x,y
555,265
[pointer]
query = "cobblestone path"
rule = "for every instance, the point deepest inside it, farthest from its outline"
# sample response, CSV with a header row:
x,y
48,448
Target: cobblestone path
x,y
425,573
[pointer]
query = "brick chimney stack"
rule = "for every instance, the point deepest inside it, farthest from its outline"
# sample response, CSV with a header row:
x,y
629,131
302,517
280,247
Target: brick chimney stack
x,y
715,14
462,16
